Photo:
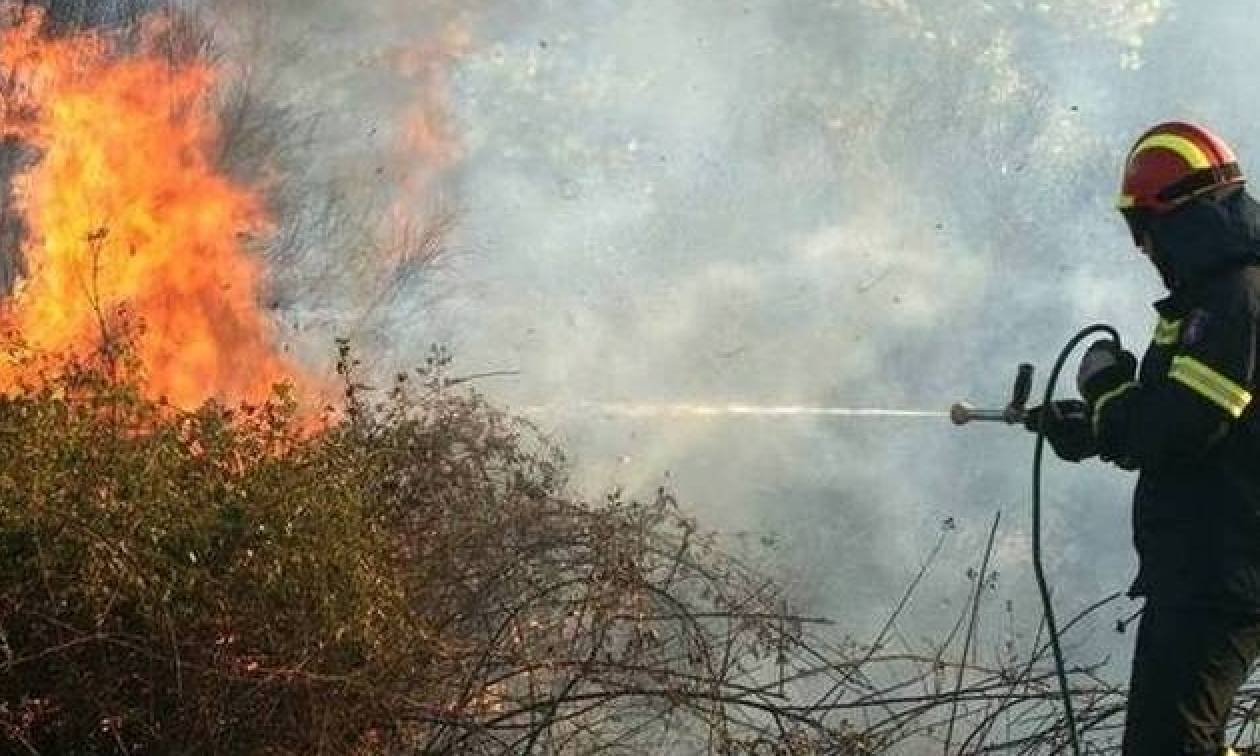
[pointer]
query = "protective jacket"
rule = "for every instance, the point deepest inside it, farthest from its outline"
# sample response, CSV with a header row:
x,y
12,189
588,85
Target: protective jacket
x,y
1188,422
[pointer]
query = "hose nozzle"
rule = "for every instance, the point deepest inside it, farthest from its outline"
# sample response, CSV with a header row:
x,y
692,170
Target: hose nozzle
x,y
963,413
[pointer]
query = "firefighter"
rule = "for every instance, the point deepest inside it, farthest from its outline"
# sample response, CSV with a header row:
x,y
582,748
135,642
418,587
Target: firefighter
x,y
1186,421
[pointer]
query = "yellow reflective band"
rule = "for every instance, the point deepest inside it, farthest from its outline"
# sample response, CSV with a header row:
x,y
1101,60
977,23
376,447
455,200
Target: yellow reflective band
x,y
1167,332
1125,202
1107,397
1210,384
1187,150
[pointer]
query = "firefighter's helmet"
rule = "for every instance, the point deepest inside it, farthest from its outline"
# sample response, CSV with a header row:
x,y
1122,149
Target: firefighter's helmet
x,y
1173,163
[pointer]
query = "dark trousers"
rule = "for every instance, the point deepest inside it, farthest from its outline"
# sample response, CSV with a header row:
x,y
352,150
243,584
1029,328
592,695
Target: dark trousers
x,y
1188,664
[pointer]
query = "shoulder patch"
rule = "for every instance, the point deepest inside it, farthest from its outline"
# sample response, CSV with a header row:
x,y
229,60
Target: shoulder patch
x,y
1195,327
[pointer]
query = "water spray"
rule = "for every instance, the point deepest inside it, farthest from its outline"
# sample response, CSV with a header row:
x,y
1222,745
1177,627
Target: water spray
x,y
646,410
961,413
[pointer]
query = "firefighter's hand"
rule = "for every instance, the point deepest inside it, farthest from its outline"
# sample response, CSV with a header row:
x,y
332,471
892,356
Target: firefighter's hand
x,y
1105,367
1068,428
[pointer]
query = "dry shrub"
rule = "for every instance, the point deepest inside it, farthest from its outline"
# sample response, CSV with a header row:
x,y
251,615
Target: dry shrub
x,y
412,575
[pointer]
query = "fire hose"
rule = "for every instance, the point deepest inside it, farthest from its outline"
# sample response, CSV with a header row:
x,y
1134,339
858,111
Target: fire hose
x,y
1015,413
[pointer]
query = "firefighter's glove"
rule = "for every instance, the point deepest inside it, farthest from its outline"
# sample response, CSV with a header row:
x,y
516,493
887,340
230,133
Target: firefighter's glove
x,y
1105,367
1068,428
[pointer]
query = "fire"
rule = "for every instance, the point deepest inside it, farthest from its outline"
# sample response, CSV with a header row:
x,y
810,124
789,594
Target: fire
x,y
427,145
125,209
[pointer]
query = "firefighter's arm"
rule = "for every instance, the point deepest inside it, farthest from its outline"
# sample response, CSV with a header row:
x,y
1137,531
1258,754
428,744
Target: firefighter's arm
x,y
1180,415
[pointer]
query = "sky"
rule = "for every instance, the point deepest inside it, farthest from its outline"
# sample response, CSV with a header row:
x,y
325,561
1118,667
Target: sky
x,y
859,203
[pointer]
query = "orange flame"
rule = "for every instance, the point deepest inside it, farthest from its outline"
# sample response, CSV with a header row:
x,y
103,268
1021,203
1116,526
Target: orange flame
x,y
125,208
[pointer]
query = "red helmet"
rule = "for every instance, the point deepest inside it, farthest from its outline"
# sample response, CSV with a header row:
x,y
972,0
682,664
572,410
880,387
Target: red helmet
x,y
1173,163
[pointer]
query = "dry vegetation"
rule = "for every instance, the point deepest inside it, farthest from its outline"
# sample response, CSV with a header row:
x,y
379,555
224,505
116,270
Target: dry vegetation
x,y
411,576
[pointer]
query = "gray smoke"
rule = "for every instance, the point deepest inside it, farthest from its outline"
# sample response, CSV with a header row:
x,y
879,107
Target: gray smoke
x,y
881,203
862,204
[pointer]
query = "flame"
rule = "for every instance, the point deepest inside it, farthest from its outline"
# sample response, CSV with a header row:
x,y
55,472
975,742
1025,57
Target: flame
x,y
426,146
125,209
426,141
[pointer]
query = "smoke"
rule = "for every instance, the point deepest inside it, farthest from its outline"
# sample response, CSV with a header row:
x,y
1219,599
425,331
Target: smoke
x,y
876,204
859,204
